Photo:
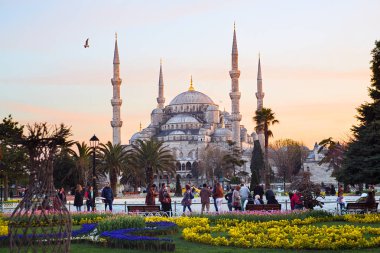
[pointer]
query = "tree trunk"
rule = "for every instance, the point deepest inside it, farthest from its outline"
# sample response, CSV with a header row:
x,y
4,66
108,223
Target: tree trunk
x,y
113,179
6,188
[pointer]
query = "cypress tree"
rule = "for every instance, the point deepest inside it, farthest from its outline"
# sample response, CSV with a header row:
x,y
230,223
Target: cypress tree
x,y
257,164
362,159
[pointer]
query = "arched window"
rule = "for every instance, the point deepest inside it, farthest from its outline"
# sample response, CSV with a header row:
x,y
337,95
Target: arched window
x,y
188,166
183,166
178,166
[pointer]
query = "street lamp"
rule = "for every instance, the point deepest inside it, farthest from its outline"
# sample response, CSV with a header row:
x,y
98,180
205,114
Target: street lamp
x,y
94,141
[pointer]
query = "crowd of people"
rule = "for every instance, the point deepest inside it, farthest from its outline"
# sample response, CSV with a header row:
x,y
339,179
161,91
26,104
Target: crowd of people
x,y
237,197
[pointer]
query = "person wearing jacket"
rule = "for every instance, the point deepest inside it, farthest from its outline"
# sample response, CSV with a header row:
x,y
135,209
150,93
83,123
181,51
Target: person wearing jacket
x,y
107,194
90,199
78,198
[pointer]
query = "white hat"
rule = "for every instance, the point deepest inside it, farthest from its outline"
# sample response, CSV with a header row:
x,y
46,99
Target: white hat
x,y
363,195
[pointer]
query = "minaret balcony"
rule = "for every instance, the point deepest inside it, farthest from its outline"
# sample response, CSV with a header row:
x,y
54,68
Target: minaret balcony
x,y
116,123
116,102
234,73
235,117
235,95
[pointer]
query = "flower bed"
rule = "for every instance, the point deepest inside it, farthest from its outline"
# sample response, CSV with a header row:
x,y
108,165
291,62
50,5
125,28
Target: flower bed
x,y
136,238
287,234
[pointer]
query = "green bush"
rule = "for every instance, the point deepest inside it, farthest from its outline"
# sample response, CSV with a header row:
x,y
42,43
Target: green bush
x,y
119,222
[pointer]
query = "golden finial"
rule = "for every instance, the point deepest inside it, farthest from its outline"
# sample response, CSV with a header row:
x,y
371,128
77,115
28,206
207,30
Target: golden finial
x,y
140,126
115,36
191,88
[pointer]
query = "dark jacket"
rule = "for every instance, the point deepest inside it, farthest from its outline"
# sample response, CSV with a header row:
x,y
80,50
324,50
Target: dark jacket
x,y
272,200
228,197
107,193
78,198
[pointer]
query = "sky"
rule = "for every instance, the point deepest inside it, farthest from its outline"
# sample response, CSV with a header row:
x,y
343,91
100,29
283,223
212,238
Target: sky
x,y
315,58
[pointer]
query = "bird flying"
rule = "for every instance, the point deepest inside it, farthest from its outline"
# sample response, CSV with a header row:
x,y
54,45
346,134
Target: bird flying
x,y
86,45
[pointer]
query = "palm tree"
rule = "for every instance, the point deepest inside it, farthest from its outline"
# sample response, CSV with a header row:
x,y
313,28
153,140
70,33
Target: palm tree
x,y
264,118
82,162
152,157
114,160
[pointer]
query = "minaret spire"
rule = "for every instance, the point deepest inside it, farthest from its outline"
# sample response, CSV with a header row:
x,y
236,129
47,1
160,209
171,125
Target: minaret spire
x,y
161,98
259,94
116,102
235,93
260,101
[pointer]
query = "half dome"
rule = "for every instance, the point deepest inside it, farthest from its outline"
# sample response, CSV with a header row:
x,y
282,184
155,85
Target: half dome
x,y
191,97
182,118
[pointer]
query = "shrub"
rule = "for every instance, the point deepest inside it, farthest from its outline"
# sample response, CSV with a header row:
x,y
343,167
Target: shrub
x,y
120,222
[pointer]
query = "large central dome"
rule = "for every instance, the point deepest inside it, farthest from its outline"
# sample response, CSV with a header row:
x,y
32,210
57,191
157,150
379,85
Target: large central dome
x,y
191,97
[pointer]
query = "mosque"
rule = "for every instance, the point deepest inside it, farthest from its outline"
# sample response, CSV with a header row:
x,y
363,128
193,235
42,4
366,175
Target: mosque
x,y
192,120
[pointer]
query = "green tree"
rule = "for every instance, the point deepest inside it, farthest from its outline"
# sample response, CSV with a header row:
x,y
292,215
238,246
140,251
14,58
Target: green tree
x,y
265,118
257,164
361,163
152,157
113,160
333,156
13,156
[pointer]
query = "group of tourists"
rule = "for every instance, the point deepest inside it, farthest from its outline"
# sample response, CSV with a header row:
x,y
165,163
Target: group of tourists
x,y
237,197
87,197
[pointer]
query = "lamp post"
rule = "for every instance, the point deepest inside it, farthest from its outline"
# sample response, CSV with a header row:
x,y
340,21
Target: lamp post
x,y
94,141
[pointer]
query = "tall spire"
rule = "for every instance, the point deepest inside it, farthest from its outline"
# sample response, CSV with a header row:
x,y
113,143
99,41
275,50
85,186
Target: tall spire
x,y
235,93
191,88
161,98
116,102
116,53
259,94
260,101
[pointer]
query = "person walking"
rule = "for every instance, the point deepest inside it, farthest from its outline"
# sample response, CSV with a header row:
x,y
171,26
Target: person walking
x,y
187,199
90,199
244,191
205,195
228,197
236,198
164,198
78,198
107,194
219,196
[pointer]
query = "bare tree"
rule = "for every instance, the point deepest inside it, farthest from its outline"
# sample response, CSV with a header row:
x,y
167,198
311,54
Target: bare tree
x,y
211,162
288,156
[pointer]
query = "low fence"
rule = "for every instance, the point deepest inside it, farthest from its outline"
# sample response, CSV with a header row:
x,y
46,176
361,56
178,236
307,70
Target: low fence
x,y
330,206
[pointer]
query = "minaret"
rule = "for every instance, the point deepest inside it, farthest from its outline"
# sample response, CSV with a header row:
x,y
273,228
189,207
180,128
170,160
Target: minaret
x,y
235,94
259,94
260,101
160,98
116,102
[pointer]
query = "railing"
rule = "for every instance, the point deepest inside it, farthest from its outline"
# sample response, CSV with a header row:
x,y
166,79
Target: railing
x,y
330,206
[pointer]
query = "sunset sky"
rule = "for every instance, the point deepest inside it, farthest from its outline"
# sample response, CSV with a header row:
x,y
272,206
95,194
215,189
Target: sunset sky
x,y
315,59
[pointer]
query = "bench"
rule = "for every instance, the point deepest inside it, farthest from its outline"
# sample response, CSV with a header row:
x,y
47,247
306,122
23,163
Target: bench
x,y
145,210
268,207
361,208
